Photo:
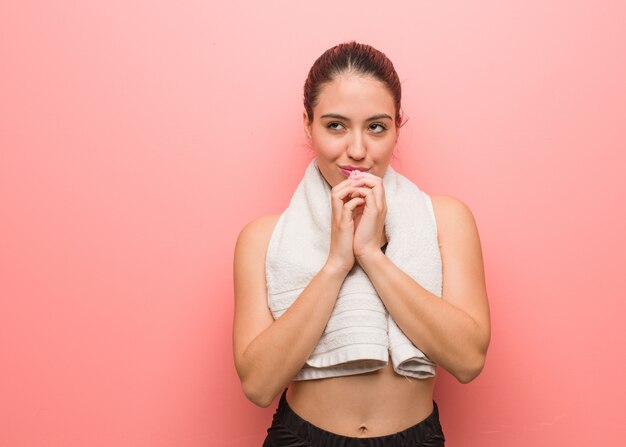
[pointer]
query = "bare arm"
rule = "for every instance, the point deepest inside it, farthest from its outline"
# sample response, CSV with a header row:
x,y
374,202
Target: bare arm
x,y
454,331
268,353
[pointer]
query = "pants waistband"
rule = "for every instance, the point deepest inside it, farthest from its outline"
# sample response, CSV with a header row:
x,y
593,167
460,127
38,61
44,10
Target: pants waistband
x,y
422,431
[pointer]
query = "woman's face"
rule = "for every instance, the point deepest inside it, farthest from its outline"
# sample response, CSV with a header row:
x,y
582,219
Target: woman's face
x,y
353,127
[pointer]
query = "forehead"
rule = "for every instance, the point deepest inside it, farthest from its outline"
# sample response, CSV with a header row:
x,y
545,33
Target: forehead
x,y
354,96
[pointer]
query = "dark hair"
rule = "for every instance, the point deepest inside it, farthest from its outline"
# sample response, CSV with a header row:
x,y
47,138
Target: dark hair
x,y
354,58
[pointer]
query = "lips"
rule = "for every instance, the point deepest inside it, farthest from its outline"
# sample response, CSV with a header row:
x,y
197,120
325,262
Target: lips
x,y
353,168
347,169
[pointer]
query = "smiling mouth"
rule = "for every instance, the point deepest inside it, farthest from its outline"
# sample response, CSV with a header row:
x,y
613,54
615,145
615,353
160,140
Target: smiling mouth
x,y
353,168
348,171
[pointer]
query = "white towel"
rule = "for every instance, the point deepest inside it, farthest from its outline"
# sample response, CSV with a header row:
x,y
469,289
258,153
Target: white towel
x,y
360,335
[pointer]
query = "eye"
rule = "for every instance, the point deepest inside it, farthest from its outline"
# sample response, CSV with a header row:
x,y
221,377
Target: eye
x,y
377,127
334,125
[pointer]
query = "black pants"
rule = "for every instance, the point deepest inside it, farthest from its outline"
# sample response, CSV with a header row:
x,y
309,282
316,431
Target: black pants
x,y
290,430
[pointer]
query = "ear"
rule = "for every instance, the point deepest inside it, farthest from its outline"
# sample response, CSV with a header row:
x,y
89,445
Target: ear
x,y
307,124
395,143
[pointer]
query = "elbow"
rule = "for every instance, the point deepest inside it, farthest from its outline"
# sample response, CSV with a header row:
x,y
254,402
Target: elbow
x,y
470,370
466,377
257,395
259,400
257,389
473,363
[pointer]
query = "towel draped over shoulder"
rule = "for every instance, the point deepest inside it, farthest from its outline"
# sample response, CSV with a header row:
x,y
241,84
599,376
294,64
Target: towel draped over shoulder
x,y
360,335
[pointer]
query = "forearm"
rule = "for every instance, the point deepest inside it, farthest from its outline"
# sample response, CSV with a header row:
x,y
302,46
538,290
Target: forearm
x,y
446,334
276,355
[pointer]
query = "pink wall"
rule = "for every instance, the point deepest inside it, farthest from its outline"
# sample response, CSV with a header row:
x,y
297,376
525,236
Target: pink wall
x,y
137,138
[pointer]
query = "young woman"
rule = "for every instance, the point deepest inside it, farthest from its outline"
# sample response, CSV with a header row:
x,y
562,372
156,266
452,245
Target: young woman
x,y
349,299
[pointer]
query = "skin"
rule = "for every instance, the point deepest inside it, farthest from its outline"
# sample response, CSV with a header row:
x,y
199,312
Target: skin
x,y
453,330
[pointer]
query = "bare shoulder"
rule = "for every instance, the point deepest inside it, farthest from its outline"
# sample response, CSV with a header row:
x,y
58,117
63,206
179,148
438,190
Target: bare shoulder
x,y
254,238
252,314
249,275
452,215
256,234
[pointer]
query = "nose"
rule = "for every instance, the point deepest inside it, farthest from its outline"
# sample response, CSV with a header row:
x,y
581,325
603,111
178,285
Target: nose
x,y
356,148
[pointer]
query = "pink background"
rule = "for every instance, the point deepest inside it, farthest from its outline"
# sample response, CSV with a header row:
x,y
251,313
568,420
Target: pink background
x,y
138,137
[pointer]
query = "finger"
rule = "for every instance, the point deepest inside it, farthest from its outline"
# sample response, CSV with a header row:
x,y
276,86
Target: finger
x,y
375,185
360,191
370,199
368,195
338,196
363,174
354,203
343,184
350,206
337,189
351,192
371,182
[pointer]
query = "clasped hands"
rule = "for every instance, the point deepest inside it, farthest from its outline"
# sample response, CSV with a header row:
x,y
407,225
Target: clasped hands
x,y
359,208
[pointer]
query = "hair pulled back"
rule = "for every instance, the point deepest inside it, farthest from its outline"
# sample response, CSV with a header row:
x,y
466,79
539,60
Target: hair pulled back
x,y
356,58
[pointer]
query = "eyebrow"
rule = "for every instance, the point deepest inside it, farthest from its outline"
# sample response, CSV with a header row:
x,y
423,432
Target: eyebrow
x,y
371,118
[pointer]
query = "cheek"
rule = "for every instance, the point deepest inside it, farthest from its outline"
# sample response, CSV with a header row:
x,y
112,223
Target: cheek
x,y
383,148
327,144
